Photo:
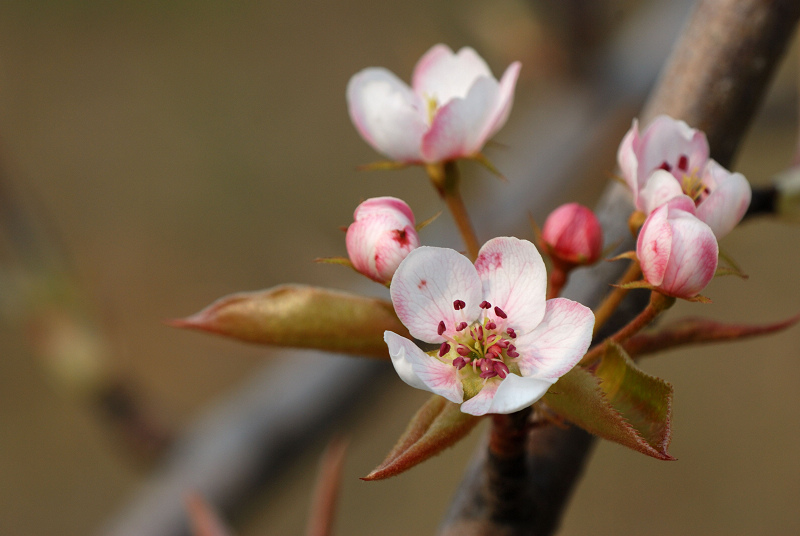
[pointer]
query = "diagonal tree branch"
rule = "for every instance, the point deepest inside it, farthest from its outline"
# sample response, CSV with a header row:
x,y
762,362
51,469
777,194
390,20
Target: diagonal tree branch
x,y
714,80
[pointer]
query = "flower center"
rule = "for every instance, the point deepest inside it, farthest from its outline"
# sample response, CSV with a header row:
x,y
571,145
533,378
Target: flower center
x,y
691,183
484,348
433,107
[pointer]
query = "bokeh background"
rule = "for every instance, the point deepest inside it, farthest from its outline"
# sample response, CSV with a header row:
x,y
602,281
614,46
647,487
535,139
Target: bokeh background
x,y
169,153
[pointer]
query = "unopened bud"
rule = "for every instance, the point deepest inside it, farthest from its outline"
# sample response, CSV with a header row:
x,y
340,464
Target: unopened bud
x,y
572,235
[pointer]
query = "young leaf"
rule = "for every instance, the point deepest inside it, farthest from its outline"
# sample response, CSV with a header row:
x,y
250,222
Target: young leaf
x,y
301,317
699,330
619,402
437,425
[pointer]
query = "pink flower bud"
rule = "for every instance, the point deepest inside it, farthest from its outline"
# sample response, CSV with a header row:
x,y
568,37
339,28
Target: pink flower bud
x,y
678,252
381,236
573,235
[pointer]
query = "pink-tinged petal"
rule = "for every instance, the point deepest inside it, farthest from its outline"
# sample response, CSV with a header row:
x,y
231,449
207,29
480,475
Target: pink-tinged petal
x,y
392,248
667,140
694,257
727,203
387,114
389,204
654,245
459,127
558,342
505,100
628,163
662,186
443,76
510,395
515,280
422,371
480,403
425,286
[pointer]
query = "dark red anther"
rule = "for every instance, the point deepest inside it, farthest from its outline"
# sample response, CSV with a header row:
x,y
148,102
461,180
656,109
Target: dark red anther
x,y
459,363
461,327
665,166
491,325
511,351
463,351
486,374
494,351
485,305
499,312
487,365
683,163
477,333
503,343
511,333
501,369
441,327
443,349
458,305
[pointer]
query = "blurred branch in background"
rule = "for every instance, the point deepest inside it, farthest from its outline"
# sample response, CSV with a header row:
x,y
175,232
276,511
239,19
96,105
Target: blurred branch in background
x,y
715,79
42,297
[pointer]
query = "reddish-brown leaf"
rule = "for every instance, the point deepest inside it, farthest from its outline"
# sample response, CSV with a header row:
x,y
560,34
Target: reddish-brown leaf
x,y
619,402
437,425
301,317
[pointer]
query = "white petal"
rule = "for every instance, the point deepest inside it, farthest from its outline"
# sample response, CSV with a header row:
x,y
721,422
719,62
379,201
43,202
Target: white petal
x,y
459,129
558,342
694,256
425,286
515,280
654,245
661,187
505,100
626,158
512,394
728,201
422,371
387,114
666,140
443,76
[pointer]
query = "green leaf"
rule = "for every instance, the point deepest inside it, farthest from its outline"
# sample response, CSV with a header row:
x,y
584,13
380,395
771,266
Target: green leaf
x,y
697,331
437,425
301,317
619,402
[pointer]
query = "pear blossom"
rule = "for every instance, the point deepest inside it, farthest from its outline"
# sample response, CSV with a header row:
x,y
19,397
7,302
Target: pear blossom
x,y
500,344
573,235
677,252
381,236
670,159
454,105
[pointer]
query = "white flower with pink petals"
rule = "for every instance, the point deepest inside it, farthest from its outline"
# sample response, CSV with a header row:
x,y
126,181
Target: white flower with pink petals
x,y
678,253
501,345
670,159
381,236
454,105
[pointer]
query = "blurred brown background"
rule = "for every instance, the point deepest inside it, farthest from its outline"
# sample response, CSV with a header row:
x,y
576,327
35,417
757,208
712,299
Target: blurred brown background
x,y
182,151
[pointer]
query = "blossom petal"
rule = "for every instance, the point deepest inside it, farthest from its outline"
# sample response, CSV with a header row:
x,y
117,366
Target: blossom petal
x,y
443,76
505,100
423,371
558,342
695,254
510,395
425,286
667,140
654,245
515,280
728,201
628,163
661,187
386,204
387,114
460,127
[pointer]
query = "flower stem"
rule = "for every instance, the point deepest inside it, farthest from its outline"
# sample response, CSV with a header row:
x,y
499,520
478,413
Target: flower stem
x,y
445,178
556,281
613,299
506,468
658,304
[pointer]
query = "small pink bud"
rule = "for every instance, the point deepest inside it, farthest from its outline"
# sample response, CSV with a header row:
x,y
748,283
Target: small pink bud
x,y
380,237
678,252
573,235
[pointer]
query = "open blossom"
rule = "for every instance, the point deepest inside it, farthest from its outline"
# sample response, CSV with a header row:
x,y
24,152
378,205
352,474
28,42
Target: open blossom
x,y
670,159
501,345
381,236
453,106
678,253
573,235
